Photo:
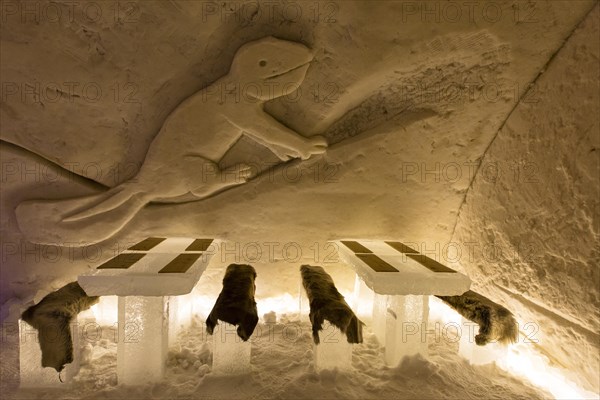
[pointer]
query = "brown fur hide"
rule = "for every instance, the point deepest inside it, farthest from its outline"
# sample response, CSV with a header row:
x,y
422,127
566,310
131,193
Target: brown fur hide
x,y
326,303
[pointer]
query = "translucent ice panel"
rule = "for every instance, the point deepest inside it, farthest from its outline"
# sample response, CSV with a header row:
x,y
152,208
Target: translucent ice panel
x,y
333,351
231,355
478,355
142,346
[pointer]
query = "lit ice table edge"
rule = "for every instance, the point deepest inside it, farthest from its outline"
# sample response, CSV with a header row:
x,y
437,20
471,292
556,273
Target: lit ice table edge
x,y
400,287
143,276
171,267
410,277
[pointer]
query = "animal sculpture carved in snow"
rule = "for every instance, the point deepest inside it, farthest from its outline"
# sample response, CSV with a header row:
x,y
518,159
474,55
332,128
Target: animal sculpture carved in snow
x,y
183,157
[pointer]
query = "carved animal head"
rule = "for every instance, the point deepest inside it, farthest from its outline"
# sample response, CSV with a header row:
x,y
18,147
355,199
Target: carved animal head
x,y
271,67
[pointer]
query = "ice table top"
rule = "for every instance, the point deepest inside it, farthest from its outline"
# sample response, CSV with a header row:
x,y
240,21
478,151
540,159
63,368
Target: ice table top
x,y
152,267
390,267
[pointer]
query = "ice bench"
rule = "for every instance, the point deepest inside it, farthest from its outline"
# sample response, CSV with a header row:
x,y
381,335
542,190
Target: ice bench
x,y
144,276
402,280
31,372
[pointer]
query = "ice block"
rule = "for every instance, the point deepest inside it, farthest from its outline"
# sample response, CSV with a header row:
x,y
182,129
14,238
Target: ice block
x,y
405,322
142,346
379,317
363,299
478,355
180,315
333,350
231,355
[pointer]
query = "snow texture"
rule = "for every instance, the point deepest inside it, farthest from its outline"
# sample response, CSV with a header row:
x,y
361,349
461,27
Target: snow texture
x,y
282,367
536,225
384,93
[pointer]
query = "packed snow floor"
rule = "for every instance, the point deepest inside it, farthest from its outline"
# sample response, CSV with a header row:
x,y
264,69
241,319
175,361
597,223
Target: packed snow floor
x,y
282,368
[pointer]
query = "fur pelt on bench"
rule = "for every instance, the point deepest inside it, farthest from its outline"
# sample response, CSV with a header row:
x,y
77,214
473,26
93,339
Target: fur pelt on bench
x,y
52,317
326,303
495,322
235,304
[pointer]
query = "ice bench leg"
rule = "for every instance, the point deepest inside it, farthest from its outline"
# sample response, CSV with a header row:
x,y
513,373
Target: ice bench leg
x,y
479,355
143,338
180,316
231,355
363,298
333,350
398,323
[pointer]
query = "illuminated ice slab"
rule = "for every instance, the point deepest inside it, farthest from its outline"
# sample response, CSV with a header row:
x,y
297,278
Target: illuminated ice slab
x,y
180,315
148,278
363,299
333,350
231,355
153,267
402,280
399,323
479,355
400,271
406,318
142,345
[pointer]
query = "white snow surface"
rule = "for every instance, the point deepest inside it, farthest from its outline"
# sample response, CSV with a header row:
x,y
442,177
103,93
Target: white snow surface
x,y
283,368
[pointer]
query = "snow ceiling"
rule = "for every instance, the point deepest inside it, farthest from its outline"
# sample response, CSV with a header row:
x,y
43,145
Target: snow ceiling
x,y
448,123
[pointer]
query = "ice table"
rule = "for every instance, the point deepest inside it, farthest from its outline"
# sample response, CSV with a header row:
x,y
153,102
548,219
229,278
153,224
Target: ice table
x,y
401,280
143,276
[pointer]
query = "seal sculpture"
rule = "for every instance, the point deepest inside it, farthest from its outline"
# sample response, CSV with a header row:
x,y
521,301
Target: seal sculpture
x,y
183,157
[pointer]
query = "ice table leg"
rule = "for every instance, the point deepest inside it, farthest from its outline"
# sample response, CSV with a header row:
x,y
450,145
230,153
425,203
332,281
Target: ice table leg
x,y
303,303
143,338
231,355
180,315
333,351
363,299
379,317
399,322
478,355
